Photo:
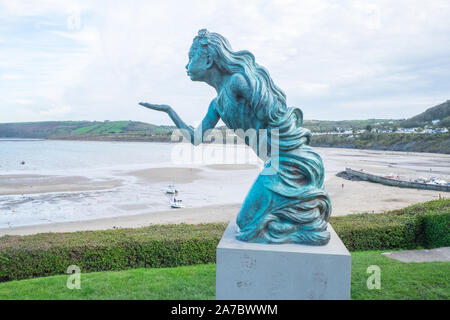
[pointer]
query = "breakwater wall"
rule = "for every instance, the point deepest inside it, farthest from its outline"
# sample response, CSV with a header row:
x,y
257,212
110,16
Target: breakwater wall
x,y
396,183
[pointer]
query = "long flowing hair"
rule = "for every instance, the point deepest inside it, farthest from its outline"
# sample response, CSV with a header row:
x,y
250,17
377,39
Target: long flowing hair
x,y
268,101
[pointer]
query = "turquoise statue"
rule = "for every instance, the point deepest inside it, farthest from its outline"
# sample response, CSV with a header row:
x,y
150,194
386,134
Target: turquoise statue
x,y
287,203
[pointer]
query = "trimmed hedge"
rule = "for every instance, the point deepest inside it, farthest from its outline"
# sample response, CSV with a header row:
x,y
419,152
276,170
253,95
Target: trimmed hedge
x,y
436,230
155,246
422,225
21,257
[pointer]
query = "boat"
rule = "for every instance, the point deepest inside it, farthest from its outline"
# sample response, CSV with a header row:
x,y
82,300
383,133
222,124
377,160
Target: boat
x,y
171,189
175,203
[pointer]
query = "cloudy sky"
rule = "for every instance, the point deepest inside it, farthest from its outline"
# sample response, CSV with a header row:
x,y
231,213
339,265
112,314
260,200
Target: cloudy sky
x,y
335,59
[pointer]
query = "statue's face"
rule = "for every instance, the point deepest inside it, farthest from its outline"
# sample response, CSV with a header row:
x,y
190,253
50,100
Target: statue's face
x,y
197,66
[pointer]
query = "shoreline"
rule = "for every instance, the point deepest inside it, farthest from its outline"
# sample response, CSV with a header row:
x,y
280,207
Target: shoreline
x,y
207,214
169,141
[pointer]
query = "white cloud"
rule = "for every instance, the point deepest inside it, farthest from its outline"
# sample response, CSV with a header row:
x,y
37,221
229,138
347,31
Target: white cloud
x,y
335,59
55,111
22,101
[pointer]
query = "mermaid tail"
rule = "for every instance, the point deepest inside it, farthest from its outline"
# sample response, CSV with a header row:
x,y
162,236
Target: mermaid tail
x,y
287,203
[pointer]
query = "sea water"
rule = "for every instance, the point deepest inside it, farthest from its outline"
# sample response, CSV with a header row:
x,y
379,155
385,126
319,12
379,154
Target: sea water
x,y
51,156
112,161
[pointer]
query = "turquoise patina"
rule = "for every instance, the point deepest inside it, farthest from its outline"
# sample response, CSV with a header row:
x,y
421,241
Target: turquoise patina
x,y
287,203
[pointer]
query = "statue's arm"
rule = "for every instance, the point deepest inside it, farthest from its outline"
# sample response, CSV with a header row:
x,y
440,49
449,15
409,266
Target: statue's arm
x,y
195,136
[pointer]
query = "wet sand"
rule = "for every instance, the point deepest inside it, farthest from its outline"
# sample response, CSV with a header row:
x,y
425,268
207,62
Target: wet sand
x,y
31,184
216,213
185,174
179,175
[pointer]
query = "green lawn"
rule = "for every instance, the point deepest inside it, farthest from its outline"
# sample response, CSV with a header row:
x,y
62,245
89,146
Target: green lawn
x,y
191,282
430,280
399,280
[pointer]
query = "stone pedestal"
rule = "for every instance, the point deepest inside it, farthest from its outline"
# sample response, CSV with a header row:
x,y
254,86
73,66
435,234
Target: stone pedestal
x,y
281,271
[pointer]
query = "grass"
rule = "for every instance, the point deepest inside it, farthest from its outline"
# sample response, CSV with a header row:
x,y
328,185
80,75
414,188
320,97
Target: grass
x,y
399,280
428,280
190,282
103,128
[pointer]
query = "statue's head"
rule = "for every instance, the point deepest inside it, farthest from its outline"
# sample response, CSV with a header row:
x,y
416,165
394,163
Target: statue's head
x,y
205,53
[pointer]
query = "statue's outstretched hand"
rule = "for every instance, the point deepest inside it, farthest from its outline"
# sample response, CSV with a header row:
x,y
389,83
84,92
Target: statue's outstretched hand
x,y
158,107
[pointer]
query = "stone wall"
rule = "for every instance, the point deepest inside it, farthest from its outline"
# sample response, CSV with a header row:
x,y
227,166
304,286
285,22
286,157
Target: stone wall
x,y
396,183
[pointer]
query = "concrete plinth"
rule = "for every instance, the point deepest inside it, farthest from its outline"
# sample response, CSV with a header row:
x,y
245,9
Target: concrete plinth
x,y
248,271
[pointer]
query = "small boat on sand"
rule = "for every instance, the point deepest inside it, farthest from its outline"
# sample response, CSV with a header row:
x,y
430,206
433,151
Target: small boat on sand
x,y
176,203
171,189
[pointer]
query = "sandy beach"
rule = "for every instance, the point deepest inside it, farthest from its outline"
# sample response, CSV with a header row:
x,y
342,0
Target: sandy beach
x,y
232,182
179,175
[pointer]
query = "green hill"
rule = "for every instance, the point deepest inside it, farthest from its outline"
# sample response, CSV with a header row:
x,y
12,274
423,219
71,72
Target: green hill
x,y
439,112
140,131
412,142
86,130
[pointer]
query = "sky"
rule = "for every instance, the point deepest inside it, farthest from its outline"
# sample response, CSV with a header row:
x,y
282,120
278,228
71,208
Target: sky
x,y
334,59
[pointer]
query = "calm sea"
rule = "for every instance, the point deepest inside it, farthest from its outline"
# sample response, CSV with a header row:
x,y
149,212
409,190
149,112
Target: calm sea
x,y
103,161
51,157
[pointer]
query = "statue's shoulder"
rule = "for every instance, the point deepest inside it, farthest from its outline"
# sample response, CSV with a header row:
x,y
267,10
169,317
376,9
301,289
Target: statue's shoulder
x,y
239,85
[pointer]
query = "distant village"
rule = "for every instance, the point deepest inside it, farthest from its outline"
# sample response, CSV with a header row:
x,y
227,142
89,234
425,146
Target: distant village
x,y
388,127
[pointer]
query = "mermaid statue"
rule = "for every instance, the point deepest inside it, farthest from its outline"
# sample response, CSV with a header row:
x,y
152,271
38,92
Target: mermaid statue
x,y
287,202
